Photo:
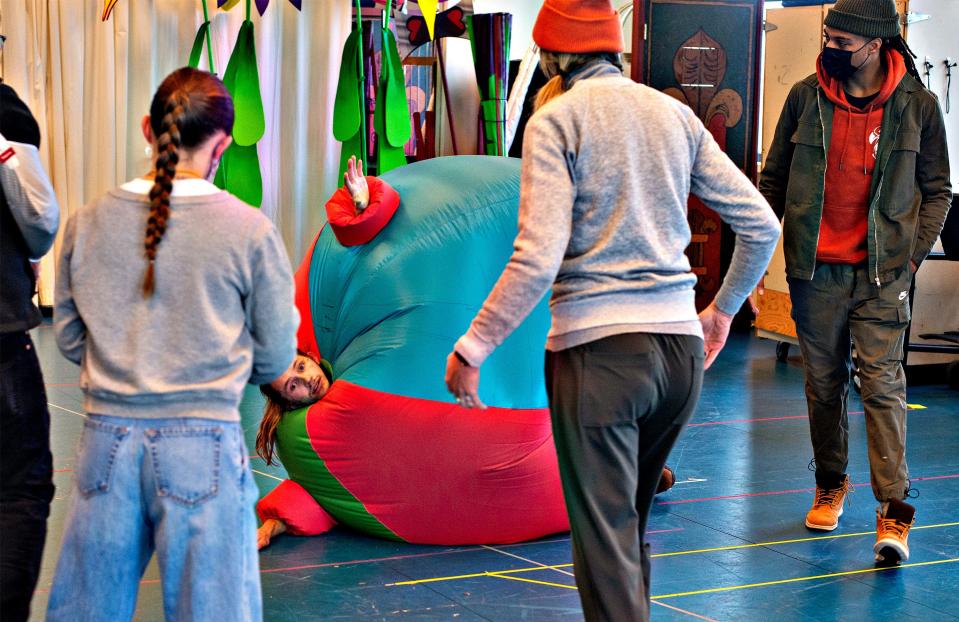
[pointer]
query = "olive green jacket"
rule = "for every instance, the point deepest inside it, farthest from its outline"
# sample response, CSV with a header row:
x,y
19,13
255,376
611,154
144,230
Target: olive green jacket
x,y
910,193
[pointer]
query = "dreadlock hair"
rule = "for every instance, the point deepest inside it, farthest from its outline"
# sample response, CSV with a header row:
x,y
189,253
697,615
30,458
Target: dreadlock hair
x,y
899,44
189,107
558,66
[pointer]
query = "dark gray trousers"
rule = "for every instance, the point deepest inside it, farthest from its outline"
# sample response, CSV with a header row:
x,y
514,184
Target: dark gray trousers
x,y
841,306
26,473
618,404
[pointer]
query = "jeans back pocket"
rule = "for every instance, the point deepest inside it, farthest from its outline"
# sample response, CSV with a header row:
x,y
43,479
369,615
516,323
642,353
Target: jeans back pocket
x,y
98,451
186,462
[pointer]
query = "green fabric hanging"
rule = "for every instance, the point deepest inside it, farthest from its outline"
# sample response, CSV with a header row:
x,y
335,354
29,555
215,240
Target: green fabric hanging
x,y
392,114
239,171
250,121
239,174
197,50
346,105
398,128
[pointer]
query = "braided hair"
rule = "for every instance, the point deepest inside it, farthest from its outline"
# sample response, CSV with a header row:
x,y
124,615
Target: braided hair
x,y
899,44
189,107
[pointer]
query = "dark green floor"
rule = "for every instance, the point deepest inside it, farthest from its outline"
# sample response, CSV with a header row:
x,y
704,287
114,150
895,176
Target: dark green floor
x,y
729,538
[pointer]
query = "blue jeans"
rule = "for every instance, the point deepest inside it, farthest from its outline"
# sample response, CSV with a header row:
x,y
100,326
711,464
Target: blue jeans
x,y
182,487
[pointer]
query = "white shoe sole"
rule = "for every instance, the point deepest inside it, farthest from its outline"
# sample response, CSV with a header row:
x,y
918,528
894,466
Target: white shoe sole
x,y
890,551
825,527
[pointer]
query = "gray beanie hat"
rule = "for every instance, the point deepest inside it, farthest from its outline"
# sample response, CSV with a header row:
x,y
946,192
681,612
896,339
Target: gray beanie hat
x,y
866,18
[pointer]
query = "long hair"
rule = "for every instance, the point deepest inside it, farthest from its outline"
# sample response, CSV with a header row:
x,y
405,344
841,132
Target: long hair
x,y
274,409
899,44
272,415
189,107
559,65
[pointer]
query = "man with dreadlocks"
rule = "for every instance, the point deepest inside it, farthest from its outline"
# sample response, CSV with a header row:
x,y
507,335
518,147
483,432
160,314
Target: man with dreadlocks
x,y
858,167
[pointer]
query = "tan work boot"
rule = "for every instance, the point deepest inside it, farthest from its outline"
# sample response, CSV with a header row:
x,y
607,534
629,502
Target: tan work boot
x,y
892,533
827,507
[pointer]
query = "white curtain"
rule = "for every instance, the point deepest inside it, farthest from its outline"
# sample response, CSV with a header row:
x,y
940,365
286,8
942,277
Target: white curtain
x,y
89,83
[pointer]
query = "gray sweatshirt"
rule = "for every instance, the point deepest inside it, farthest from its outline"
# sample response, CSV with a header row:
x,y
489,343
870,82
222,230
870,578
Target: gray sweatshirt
x,y
222,313
607,171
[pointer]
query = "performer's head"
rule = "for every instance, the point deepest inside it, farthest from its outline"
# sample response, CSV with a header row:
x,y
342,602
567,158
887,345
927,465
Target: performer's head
x,y
304,383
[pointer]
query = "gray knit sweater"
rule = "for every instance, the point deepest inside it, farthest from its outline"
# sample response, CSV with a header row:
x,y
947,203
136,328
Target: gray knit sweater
x,y
222,313
607,171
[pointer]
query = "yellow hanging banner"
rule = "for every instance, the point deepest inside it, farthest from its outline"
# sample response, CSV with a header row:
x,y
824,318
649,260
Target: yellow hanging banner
x,y
428,8
108,9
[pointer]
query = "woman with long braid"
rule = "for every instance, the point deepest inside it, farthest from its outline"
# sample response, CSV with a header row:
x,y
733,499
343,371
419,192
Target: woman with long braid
x,y
859,169
171,295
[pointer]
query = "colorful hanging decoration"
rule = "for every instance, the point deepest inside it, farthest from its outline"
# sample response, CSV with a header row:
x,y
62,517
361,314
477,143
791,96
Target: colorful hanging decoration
x,y
392,117
261,5
428,9
490,39
449,23
239,171
349,104
107,9
223,5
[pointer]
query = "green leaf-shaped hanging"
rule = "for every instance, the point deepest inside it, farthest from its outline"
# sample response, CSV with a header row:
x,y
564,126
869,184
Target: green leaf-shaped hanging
x,y
239,174
248,105
239,171
197,50
397,120
346,106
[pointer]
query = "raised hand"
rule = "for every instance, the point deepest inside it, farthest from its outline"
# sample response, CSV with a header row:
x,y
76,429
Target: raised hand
x,y
356,184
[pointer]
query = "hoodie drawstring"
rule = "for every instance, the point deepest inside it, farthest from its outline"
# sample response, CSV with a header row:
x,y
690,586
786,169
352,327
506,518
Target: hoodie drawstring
x,y
845,141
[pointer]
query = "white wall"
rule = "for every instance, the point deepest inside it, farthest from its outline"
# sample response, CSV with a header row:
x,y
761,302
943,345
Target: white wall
x,y
937,38
936,307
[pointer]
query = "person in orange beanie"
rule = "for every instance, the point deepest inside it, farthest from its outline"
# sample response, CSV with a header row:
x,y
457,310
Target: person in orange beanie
x,y
602,224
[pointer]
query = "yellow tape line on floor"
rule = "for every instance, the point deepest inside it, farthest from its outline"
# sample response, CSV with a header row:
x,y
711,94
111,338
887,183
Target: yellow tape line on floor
x,y
798,579
734,547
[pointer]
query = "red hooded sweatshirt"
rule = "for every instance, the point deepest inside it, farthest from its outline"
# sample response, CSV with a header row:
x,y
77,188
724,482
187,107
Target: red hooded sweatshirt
x,y
849,165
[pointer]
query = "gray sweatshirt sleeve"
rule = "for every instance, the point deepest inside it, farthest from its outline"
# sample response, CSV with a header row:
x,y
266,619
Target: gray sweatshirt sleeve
x,y
68,326
31,198
724,188
546,202
270,315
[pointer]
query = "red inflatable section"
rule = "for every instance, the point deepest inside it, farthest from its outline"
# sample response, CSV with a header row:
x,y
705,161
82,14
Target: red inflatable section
x,y
292,504
352,229
437,473
305,335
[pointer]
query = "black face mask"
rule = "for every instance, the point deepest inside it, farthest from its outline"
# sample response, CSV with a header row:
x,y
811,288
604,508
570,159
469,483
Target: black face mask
x,y
838,63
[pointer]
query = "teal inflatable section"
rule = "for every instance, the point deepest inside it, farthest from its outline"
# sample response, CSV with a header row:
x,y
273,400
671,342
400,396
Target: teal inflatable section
x,y
387,313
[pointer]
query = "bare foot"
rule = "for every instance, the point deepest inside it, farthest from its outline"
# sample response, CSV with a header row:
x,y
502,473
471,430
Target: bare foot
x,y
270,528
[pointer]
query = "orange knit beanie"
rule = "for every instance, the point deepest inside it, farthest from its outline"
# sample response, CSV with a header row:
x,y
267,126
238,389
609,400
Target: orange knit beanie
x,y
578,27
